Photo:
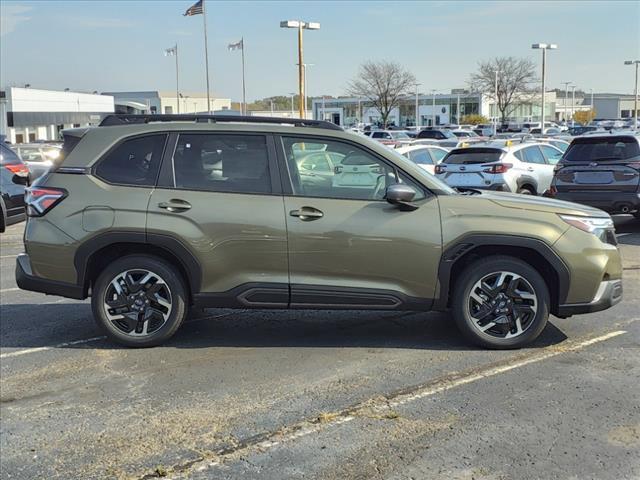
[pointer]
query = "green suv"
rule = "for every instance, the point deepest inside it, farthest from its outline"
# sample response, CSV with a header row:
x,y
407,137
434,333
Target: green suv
x,y
151,215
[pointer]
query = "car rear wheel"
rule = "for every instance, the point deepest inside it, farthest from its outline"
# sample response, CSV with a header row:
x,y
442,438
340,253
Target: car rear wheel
x,y
500,302
139,301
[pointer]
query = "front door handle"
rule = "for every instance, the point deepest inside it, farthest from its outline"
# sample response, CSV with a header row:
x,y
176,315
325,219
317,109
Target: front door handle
x,y
307,213
175,205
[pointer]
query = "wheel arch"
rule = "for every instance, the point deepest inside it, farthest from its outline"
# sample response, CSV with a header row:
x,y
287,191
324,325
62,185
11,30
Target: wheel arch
x,y
535,252
99,251
527,181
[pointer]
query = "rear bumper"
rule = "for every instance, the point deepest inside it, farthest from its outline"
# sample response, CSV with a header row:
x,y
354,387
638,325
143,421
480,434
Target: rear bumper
x,y
27,281
611,202
609,293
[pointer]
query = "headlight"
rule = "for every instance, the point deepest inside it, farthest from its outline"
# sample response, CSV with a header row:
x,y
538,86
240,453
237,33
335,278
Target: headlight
x,y
599,226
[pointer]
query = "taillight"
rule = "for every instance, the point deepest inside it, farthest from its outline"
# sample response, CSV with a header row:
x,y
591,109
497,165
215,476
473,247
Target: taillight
x,y
40,200
19,169
439,169
497,167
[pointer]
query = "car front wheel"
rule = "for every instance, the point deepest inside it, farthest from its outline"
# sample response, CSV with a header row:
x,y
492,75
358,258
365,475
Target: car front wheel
x,y
139,301
500,302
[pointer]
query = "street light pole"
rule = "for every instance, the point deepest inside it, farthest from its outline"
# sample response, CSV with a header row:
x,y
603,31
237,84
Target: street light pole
x,y
292,110
566,101
495,117
417,106
573,105
300,25
544,47
433,108
635,94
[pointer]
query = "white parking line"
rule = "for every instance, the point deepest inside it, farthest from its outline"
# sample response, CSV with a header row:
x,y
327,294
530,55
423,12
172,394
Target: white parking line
x,y
305,428
42,349
8,256
26,351
9,290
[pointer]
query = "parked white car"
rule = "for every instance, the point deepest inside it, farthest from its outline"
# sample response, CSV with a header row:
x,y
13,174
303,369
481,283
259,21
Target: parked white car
x,y
391,137
427,157
525,168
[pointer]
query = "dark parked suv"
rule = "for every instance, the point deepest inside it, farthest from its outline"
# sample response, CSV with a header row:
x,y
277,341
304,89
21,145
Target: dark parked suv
x,y
149,215
602,171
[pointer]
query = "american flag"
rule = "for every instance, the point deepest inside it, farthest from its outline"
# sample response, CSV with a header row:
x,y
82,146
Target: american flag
x,y
236,46
195,9
170,52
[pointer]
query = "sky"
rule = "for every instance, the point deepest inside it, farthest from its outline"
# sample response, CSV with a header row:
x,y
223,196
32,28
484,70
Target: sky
x,y
118,45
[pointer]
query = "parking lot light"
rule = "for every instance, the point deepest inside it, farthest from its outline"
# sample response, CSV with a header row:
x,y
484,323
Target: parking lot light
x,y
300,25
635,94
544,47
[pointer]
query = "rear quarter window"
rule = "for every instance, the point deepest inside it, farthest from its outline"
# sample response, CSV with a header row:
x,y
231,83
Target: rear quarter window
x,y
469,156
602,149
134,162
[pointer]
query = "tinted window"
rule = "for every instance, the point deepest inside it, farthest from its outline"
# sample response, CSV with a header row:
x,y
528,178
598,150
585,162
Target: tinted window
x,y
421,157
30,154
8,156
437,154
552,155
533,155
133,162
222,163
471,156
359,175
316,162
599,149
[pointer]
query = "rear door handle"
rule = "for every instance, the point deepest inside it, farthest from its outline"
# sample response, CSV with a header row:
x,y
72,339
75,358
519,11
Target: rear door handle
x,y
530,169
307,213
175,205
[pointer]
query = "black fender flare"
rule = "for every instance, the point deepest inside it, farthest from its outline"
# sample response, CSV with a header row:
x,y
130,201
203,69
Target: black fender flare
x,y
467,243
168,243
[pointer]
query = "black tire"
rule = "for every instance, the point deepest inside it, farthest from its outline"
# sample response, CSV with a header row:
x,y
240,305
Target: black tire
x,y
173,286
525,191
462,300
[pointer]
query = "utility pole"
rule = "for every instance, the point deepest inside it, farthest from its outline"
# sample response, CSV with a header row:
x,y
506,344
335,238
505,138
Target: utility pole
x,y
417,107
566,101
573,105
433,108
544,47
635,94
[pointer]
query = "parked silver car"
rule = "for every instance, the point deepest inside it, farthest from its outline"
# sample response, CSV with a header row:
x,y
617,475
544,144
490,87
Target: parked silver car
x,y
525,168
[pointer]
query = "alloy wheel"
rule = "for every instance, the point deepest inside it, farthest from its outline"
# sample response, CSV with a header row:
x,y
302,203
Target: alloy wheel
x,y
137,302
502,304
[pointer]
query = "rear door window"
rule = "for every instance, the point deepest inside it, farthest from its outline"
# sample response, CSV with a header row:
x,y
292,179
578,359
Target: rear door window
x,y
471,156
602,149
134,162
533,155
437,154
551,154
421,157
222,163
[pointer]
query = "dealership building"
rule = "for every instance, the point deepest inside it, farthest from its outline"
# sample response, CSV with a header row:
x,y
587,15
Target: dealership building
x,y
166,102
436,109
30,114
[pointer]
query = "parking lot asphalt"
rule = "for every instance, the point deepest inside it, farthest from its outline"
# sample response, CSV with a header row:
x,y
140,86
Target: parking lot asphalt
x,y
301,394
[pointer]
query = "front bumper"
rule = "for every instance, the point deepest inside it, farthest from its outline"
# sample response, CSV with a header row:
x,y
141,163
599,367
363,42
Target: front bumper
x,y
610,202
27,281
609,293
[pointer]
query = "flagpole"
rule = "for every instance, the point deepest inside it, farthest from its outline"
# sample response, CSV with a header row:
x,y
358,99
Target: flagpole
x,y
206,56
244,93
177,84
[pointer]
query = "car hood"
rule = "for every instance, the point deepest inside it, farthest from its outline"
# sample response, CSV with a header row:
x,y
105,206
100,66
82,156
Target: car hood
x,y
541,204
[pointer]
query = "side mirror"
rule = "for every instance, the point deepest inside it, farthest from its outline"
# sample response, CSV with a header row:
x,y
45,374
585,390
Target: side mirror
x,y
401,195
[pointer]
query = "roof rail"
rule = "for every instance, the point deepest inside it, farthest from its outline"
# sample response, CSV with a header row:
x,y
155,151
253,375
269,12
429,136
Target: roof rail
x,y
129,119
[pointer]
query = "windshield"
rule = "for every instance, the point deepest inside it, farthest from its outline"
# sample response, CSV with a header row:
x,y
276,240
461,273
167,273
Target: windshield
x,y
597,149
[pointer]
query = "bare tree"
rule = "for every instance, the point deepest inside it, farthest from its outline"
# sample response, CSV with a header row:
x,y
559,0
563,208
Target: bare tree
x,y
514,78
384,84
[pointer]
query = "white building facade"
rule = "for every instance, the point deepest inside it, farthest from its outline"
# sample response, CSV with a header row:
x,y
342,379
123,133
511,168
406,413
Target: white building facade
x,y
29,114
166,102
